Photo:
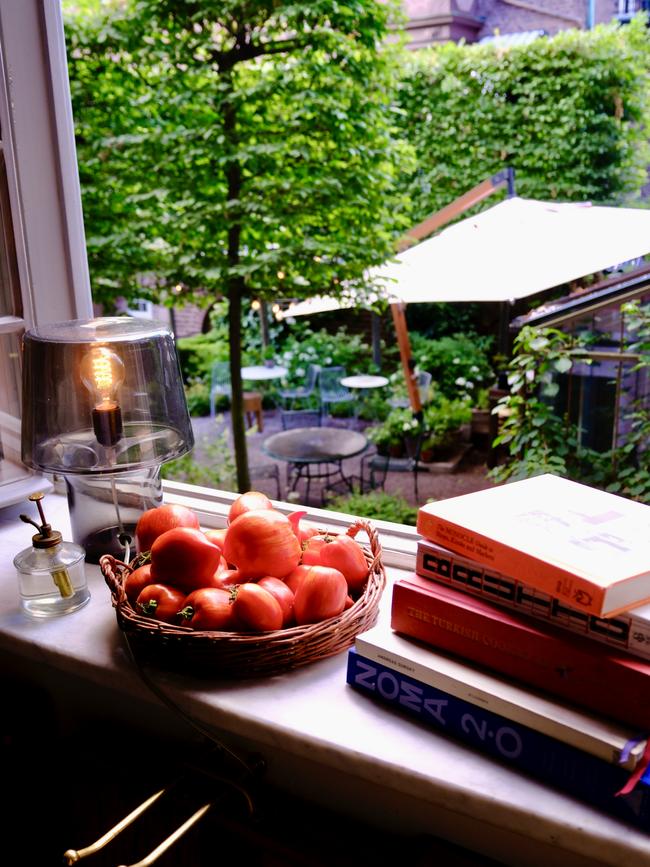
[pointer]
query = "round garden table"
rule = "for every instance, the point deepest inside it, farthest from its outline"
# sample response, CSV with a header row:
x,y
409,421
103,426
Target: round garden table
x,y
310,452
364,381
262,372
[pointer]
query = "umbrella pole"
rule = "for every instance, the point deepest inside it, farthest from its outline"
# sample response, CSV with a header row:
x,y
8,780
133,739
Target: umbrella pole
x,y
399,320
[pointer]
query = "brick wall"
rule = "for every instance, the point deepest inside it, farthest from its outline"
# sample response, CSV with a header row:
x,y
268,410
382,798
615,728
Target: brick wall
x,y
441,20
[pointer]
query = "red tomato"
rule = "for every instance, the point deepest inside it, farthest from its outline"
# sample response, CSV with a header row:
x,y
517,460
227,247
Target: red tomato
x,y
217,537
294,578
262,542
282,593
257,609
301,528
138,579
184,558
346,555
248,502
312,550
155,522
160,602
320,595
209,608
229,577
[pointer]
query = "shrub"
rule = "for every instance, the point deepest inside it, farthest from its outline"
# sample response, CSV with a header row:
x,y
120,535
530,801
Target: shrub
x,y
378,505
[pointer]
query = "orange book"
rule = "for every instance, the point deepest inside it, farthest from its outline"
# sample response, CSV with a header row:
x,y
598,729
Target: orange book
x,y
570,540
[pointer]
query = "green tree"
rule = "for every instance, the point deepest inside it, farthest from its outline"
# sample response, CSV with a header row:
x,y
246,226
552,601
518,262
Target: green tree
x,y
236,149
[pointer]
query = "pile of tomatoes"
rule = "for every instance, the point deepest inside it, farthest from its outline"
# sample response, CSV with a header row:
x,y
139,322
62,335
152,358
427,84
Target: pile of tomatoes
x,y
264,571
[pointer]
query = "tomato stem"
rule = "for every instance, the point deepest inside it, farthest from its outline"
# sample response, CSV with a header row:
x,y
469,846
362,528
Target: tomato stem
x,y
187,613
149,607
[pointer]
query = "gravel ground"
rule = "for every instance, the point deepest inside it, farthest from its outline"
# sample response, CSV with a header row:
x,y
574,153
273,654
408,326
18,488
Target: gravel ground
x,y
470,475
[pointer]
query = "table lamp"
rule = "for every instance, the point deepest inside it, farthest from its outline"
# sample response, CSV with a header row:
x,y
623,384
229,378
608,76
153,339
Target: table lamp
x,y
104,406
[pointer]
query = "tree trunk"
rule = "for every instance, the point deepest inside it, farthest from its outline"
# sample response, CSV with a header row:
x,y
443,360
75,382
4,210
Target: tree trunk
x,y
235,292
236,289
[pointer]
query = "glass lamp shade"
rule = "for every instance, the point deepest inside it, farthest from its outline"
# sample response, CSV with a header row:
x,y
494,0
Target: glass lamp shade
x,y
102,396
104,406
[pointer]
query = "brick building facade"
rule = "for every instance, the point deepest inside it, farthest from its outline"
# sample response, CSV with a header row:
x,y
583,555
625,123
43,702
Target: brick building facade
x,y
432,21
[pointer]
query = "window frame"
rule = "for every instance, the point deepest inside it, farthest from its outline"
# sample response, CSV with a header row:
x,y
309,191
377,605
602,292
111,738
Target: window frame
x,y
45,230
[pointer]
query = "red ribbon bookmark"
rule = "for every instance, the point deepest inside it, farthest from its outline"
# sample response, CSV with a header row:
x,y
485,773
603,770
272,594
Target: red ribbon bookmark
x,y
638,772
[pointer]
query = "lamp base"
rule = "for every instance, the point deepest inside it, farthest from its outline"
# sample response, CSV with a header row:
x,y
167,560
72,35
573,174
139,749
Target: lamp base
x,y
102,507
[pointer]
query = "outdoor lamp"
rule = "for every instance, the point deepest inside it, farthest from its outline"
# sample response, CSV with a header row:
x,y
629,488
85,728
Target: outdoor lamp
x,y
104,406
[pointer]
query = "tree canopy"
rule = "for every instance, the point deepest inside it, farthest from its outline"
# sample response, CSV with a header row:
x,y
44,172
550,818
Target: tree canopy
x,y
237,149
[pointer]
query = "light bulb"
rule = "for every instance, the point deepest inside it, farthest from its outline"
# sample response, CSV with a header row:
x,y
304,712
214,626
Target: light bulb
x,y
102,372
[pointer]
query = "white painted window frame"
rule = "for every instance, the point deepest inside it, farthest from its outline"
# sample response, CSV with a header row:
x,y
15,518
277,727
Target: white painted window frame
x,y
44,194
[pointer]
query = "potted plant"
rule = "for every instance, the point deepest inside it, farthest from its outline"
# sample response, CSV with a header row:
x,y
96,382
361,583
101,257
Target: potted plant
x,y
443,420
391,435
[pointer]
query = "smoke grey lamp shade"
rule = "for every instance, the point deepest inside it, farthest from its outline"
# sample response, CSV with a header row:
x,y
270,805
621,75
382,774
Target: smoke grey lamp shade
x,y
102,396
104,406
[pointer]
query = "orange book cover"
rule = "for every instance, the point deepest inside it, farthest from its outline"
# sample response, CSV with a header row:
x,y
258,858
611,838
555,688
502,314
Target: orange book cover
x,y
570,540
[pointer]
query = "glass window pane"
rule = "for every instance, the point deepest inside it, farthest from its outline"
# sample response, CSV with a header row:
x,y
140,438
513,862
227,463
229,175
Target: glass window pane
x,y
10,304
11,467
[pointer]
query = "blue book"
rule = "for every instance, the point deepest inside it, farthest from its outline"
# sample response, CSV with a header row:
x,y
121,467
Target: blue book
x,y
568,768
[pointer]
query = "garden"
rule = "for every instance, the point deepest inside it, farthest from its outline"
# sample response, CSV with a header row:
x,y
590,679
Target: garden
x,y
200,186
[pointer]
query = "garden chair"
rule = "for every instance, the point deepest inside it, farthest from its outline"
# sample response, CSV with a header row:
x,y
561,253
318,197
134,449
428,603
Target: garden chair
x,y
219,384
423,383
331,390
294,418
290,395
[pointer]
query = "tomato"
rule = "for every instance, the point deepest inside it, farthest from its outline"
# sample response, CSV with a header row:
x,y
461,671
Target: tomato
x,y
217,537
209,608
262,542
294,578
248,502
229,577
155,522
282,593
312,550
346,555
137,579
320,595
349,602
257,609
184,558
161,602
302,530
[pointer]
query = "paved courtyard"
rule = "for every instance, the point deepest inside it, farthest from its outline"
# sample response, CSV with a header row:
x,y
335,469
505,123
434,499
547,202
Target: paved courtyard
x,y
470,475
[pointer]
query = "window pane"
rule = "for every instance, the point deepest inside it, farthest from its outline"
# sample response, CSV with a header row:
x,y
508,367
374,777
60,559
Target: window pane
x,y
11,467
9,286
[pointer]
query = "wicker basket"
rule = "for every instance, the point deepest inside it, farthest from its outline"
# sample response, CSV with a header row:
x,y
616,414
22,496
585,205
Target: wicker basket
x,y
241,654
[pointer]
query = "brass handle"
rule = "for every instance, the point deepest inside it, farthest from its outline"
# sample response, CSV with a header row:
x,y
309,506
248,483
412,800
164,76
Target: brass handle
x,y
164,846
74,855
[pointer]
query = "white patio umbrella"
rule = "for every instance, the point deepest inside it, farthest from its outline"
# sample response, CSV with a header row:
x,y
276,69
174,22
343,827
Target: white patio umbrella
x,y
514,249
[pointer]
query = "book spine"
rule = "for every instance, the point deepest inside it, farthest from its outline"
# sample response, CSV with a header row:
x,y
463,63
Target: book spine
x,y
551,761
567,666
576,591
628,633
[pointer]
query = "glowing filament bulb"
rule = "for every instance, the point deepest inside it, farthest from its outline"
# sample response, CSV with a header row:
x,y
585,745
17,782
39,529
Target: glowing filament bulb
x,y
102,372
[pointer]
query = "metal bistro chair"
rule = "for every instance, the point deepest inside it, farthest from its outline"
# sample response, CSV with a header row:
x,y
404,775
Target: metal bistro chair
x,y
331,390
219,384
290,395
423,383
294,418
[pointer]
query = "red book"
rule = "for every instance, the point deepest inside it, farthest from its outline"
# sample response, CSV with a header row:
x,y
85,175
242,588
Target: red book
x,y
573,667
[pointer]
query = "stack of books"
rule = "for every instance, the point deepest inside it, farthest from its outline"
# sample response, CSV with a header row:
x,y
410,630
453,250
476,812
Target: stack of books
x,y
525,631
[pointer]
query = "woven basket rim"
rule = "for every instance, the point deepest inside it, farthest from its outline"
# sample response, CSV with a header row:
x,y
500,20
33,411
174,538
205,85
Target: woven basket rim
x,y
248,653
